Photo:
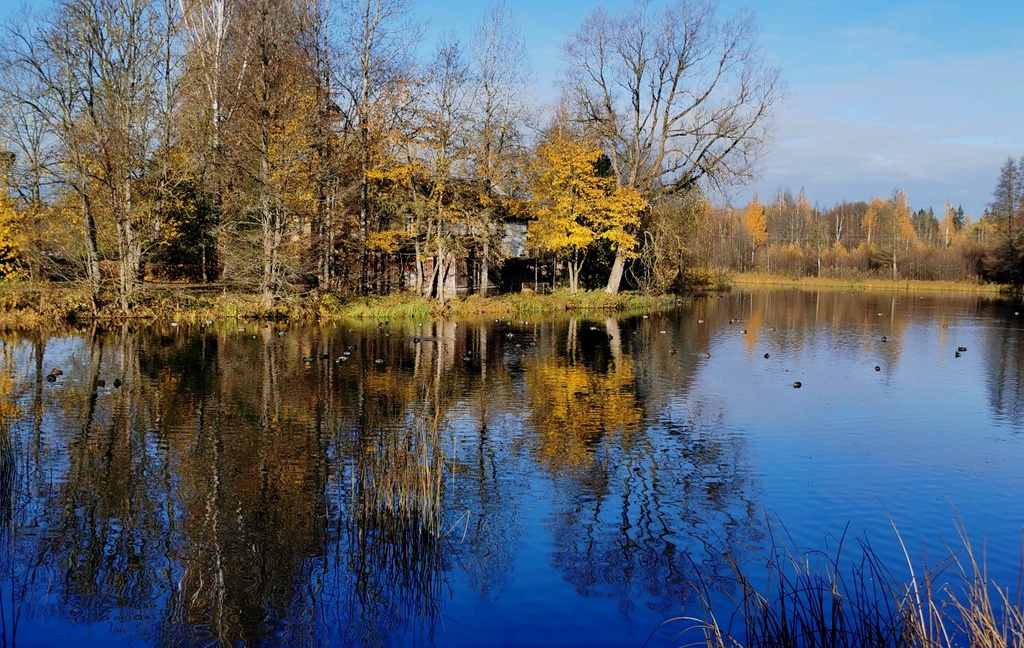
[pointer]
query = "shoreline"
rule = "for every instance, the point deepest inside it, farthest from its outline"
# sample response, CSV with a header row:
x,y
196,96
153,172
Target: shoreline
x,y
47,305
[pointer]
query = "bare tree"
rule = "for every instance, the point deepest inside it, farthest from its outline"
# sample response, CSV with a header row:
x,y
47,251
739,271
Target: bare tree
x,y
680,98
502,77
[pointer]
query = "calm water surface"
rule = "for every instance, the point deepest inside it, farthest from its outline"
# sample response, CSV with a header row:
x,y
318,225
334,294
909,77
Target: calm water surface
x,y
555,482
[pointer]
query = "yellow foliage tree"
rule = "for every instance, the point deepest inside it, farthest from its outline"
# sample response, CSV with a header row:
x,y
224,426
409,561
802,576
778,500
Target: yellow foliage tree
x,y
890,232
575,205
756,225
8,236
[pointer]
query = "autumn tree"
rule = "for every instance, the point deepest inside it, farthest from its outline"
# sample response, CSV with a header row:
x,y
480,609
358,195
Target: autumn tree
x,y
890,221
575,205
97,66
677,97
376,73
28,166
270,146
947,227
50,60
9,218
755,225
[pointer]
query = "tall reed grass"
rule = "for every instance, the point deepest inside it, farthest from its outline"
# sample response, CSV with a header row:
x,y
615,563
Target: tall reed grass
x,y
845,596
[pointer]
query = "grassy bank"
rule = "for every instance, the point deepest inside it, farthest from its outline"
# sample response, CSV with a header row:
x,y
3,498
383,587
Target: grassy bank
x,y
24,306
866,284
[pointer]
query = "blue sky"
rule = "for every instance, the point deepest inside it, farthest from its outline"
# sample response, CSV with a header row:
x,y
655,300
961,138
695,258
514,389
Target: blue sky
x,y
924,96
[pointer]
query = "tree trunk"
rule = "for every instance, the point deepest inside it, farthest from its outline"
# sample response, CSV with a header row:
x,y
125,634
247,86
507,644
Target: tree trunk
x,y
92,257
441,272
484,267
615,278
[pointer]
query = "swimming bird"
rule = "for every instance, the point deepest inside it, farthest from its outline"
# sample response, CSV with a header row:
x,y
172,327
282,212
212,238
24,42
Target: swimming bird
x,y
961,349
797,385
766,356
877,368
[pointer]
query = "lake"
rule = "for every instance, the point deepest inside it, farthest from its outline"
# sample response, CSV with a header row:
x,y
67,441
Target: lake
x,y
559,481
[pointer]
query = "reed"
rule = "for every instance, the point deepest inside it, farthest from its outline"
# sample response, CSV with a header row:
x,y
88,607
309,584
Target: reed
x,y
846,597
7,475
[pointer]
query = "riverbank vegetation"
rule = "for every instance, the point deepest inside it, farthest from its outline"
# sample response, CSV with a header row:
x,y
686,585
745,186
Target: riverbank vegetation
x,y
846,596
24,305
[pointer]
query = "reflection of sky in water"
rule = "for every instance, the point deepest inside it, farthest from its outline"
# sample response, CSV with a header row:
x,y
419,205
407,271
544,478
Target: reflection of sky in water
x,y
916,440
588,470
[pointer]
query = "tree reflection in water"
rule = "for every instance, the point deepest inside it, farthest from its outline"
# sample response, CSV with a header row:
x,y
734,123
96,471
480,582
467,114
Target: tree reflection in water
x,y
245,488
640,496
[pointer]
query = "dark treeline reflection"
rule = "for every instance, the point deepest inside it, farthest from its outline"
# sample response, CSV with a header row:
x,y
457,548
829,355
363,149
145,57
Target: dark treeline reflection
x,y
313,486
306,486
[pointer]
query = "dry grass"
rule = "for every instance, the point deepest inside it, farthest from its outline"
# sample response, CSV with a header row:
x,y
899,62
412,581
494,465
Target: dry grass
x,y
865,284
845,597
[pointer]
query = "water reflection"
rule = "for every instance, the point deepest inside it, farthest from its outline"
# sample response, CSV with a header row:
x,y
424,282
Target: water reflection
x,y
362,486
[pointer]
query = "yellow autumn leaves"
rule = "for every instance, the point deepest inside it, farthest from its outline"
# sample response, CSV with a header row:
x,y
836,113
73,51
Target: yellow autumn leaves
x,y
576,205
8,235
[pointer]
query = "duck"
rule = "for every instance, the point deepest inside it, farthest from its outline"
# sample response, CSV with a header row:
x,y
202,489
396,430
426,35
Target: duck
x,y
797,385
766,356
961,349
956,354
877,368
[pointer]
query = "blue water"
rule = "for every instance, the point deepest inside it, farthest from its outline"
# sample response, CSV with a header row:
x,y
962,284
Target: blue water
x,y
570,481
